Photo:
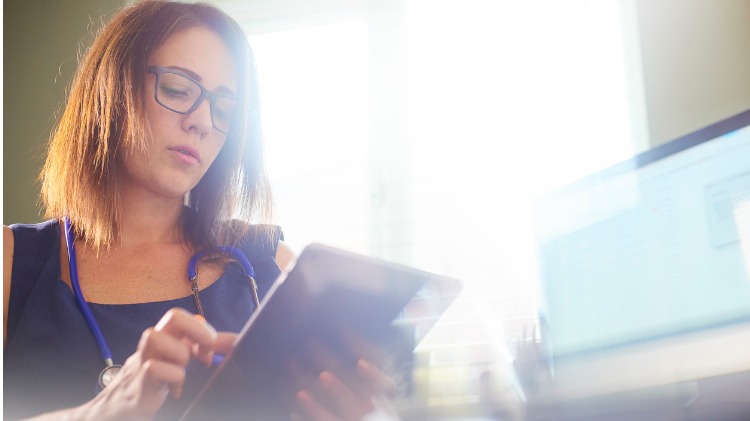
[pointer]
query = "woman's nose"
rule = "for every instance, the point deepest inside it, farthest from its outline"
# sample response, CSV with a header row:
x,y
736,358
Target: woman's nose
x,y
200,119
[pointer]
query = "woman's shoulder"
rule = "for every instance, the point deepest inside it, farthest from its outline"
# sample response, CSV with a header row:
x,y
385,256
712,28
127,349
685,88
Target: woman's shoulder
x,y
40,228
262,241
238,230
34,239
31,254
254,239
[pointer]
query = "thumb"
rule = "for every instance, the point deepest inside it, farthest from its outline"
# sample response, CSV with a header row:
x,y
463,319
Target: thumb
x,y
225,342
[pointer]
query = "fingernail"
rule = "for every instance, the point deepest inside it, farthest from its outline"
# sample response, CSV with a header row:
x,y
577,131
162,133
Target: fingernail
x,y
326,377
304,397
203,319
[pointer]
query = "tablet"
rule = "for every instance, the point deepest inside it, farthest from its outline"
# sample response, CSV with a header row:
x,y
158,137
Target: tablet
x,y
328,303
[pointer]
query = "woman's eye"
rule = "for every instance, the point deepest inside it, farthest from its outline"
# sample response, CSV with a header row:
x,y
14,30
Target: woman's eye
x,y
173,92
224,108
221,114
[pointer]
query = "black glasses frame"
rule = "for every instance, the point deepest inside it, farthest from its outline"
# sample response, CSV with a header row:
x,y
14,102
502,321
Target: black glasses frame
x,y
205,93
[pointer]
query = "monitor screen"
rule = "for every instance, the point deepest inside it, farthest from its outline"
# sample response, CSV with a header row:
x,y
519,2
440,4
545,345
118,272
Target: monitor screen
x,y
653,247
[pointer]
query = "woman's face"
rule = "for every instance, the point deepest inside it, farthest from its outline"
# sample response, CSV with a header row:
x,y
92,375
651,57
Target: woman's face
x,y
181,147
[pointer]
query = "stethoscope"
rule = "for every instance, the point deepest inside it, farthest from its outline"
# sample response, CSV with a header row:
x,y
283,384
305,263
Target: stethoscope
x,y
110,368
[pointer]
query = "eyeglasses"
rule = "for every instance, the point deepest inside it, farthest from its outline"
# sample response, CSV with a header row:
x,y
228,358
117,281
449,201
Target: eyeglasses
x,y
182,94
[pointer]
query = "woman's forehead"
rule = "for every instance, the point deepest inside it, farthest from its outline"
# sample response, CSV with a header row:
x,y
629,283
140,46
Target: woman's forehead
x,y
204,53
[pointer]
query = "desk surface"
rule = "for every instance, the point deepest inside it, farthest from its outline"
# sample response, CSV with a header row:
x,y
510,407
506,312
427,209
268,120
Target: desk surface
x,y
723,398
703,376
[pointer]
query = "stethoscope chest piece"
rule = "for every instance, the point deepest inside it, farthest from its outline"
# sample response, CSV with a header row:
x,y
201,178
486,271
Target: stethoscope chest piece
x,y
108,374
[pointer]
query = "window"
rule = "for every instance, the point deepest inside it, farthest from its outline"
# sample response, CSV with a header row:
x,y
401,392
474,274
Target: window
x,y
314,94
420,131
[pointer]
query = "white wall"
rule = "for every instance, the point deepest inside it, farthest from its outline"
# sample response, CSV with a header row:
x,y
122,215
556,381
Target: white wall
x,y
696,63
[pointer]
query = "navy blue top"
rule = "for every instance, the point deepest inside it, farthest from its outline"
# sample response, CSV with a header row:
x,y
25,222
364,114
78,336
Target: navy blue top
x,y
51,360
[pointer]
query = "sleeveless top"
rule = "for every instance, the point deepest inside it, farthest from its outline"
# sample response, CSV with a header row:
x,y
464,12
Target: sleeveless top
x,y
51,360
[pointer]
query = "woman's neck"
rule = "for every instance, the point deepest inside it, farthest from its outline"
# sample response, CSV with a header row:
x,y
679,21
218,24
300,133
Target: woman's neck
x,y
148,220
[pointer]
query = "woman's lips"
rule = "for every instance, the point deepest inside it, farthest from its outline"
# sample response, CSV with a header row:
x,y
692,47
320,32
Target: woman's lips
x,y
186,154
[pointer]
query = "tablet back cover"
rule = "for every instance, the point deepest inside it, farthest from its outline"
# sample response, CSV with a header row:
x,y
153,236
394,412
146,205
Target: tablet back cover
x,y
328,295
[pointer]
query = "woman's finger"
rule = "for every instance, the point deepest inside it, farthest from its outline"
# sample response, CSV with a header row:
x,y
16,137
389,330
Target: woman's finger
x,y
380,383
349,404
313,409
362,377
340,386
357,345
322,357
182,324
225,342
157,374
160,345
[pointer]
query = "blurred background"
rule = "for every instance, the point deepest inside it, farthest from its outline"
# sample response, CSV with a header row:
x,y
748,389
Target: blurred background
x,y
422,131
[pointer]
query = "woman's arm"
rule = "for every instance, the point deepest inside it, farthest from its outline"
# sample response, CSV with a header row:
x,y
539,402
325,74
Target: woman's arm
x,y
157,368
285,256
8,246
155,371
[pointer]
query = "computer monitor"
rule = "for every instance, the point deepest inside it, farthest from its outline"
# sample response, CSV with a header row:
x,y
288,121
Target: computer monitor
x,y
649,255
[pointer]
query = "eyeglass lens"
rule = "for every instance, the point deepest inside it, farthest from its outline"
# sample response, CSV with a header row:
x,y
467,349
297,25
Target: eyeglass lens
x,y
180,94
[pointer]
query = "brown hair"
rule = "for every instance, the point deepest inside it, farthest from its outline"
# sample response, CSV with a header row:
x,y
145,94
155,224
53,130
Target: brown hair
x,y
104,118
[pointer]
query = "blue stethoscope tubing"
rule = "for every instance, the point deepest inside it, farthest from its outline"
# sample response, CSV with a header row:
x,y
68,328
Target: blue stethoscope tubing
x,y
232,251
82,305
106,354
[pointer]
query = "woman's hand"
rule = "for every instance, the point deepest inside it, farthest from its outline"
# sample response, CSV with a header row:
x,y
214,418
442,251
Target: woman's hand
x,y
345,388
335,399
156,369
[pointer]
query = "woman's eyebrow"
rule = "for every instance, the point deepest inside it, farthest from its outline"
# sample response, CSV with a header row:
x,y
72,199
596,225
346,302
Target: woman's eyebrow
x,y
188,72
197,77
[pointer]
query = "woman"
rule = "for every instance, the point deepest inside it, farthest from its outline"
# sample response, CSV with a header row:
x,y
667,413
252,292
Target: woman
x,y
157,150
